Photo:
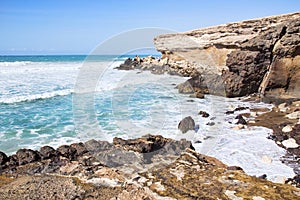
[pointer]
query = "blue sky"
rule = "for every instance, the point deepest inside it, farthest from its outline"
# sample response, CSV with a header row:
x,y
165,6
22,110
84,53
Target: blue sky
x,y
77,27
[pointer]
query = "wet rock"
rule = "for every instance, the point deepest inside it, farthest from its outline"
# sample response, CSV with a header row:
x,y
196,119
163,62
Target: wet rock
x,y
190,100
25,156
67,151
186,124
203,114
210,123
129,64
185,88
47,152
198,95
264,176
3,158
229,112
80,148
241,120
12,161
241,108
294,181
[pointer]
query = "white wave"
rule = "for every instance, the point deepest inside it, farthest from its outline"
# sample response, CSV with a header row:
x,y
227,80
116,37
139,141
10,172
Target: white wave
x,y
15,63
33,97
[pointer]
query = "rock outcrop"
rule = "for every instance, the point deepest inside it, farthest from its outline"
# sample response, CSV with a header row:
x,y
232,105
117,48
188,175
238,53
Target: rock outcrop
x,y
151,167
237,59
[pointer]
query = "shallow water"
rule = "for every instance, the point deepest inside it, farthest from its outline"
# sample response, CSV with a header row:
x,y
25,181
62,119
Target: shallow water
x,y
55,103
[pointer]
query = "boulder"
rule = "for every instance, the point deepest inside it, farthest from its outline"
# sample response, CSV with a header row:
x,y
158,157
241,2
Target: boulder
x,y
3,158
241,120
80,148
67,151
25,156
203,114
47,152
186,124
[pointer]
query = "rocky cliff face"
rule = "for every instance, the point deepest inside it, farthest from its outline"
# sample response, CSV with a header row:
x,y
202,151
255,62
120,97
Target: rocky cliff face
x,y
236,59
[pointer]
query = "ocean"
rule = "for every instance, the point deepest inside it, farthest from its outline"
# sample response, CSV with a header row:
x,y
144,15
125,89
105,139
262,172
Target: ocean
x,y
55,100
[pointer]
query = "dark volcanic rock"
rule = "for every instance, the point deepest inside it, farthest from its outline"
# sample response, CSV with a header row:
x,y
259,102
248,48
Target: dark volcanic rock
x,y
241,120
129,64
145,144
80,148
186,124
67,151
47,152
203,114
25,156
3,158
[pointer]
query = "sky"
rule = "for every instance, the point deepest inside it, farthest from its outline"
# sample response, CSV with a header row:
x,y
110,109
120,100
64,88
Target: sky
x,y
79,26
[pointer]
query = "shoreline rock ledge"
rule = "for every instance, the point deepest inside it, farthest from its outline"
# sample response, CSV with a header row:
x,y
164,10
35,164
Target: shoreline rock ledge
x,y
151,167
238,59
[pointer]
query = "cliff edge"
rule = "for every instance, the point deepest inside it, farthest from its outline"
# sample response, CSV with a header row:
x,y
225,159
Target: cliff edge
x,y
237,59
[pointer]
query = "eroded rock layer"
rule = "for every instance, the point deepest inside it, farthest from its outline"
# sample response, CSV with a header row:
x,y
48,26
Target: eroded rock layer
x,y
237,59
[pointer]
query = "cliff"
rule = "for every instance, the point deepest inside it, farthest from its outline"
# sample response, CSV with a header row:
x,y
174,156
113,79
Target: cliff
x,y
237,59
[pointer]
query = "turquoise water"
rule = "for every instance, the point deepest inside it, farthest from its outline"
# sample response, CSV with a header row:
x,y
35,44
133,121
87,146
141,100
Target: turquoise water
x,y
55,100
37,101
63,58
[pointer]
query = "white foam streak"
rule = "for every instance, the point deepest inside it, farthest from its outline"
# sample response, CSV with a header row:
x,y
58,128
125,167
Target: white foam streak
x,y
15,63
33,97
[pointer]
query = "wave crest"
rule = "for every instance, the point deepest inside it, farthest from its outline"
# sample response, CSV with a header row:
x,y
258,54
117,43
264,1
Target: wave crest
x,y
34,97
15,63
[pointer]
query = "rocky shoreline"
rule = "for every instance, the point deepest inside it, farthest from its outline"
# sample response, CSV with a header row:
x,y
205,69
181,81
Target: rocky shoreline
x,y
257,56
150,167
